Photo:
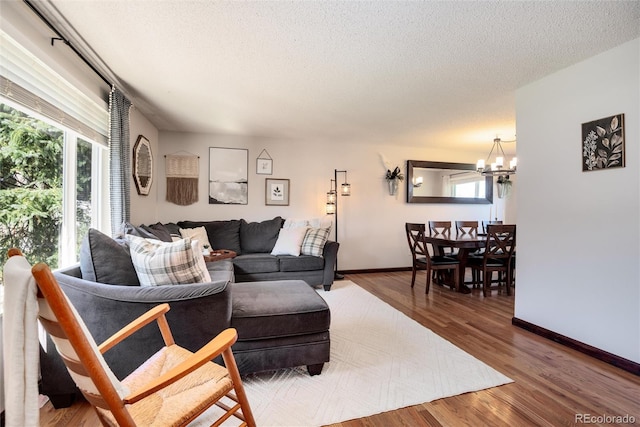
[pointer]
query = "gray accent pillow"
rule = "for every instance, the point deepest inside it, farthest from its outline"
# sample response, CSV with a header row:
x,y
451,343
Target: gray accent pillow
x,y
105,260
259,237
159,230
142,231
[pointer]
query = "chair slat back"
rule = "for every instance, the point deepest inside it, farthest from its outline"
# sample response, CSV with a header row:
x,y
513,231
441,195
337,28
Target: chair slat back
x,y
486,223
501,242
466,228
76,346
440,228
415,237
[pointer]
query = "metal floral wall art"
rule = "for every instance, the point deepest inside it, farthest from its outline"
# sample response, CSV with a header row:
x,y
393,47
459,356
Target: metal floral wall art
x,y
603,143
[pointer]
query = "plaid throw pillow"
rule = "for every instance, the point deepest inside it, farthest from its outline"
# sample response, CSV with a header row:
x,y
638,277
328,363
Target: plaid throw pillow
x,y
161,263
314,240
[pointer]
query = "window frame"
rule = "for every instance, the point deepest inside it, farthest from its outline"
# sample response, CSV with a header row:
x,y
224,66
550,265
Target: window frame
x,y
68,239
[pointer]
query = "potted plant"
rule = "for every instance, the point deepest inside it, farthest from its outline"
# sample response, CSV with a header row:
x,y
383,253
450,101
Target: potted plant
x,y
392,178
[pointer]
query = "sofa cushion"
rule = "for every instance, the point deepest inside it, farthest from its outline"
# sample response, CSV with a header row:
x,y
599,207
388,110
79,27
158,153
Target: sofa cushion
x,y
162,263
221,270
289,241
314,240
259,237
105,260
222,234
256,263
301,263
263,310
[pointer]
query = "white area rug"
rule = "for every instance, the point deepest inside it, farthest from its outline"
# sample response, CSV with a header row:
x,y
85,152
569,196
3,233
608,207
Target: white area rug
x,y
380,360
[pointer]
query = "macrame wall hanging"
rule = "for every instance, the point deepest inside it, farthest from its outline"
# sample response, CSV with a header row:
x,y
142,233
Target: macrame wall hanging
x,y
182,178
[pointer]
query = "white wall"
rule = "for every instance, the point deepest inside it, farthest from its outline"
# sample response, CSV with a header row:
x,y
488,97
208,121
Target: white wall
x,y
370,221
578,232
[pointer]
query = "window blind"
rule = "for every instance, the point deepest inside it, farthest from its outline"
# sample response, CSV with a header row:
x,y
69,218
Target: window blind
x,y
29,82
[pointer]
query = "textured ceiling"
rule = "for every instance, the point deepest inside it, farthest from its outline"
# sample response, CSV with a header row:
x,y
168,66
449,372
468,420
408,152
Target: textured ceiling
x,y
427,73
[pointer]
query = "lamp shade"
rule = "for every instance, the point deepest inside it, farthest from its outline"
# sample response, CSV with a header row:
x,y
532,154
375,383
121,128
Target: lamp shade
x,y
345,189
331,208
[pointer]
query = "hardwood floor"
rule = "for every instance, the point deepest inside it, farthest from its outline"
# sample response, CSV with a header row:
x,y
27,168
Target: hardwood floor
x,y
552,383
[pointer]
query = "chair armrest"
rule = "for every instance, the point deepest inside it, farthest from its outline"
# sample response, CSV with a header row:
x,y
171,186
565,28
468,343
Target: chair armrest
x,y
156,313
222,342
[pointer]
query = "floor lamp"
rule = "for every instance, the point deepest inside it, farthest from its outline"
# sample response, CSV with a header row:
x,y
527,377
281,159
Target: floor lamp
x,y
332,205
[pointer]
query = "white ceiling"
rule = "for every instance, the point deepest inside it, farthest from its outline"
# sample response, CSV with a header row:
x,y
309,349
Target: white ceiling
x,y
423,73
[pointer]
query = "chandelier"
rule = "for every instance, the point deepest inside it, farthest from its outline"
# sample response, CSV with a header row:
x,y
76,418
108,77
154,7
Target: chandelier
x,y
495,166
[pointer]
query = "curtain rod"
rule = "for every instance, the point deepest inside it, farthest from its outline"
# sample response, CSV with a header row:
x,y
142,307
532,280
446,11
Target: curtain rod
x,y
65,41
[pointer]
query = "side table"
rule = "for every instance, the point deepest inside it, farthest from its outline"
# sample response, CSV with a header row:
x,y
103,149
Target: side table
x,y
219,255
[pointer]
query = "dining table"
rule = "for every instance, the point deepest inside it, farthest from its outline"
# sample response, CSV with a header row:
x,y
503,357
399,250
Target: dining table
x,y
465,243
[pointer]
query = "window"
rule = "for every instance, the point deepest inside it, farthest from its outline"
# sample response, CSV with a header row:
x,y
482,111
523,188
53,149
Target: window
x,y
467,185
49,186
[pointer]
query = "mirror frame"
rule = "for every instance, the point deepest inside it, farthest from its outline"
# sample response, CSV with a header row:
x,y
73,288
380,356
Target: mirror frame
x,y
143,190
488,199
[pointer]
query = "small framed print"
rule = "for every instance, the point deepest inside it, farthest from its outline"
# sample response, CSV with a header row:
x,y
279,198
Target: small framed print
x,y
264,166
603,143
276,192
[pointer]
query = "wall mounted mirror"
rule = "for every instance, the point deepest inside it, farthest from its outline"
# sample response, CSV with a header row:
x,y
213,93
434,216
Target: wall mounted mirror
x,y
440,182
142,165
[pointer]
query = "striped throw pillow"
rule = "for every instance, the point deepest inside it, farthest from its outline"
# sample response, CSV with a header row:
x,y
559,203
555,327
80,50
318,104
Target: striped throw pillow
x,y
314,240
167,263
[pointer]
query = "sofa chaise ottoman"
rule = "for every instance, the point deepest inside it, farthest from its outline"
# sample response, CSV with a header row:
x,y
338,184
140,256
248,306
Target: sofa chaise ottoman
x,y
280,324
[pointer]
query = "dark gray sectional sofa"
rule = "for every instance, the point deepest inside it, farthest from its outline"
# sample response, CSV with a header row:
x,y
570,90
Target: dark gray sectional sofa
x,y
253,242
281,320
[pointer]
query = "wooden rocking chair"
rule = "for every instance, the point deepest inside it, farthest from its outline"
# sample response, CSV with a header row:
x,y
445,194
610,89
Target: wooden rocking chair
x,y
171,388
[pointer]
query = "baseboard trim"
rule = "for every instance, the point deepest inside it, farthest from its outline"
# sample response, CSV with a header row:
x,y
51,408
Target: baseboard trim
x,y
375,270
587,349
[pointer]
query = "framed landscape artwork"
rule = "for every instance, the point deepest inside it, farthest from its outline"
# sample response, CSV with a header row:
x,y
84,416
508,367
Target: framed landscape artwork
x,y
228,176
276,192
603,143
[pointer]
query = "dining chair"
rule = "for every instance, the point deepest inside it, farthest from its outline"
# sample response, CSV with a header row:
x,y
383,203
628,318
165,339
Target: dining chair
x,y
466,227
497,256
423,260
172,388
513,258
485,223
440,228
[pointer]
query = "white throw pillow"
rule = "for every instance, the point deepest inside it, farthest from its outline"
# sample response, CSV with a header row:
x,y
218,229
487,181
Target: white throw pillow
x,y
325,222
167,263
198,249
197,233
289,241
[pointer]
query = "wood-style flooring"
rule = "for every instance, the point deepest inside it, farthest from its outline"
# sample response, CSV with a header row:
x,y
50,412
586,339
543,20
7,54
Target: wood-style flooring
x,y
553,385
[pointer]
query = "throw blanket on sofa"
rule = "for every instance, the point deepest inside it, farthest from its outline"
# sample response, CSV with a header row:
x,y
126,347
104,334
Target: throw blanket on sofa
x,y
182,179
20,342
